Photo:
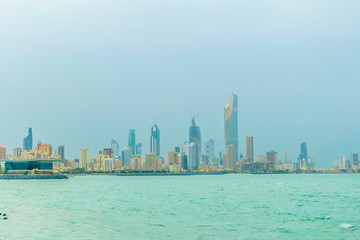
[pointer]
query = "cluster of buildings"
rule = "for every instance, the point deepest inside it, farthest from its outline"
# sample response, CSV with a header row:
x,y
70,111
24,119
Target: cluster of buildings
x,y
188,157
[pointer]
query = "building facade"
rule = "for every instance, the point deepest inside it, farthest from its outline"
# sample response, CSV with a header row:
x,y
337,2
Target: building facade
x,y
231,126
155,140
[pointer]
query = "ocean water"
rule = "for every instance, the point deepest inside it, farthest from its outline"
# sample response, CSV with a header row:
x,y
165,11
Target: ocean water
x,y
183,207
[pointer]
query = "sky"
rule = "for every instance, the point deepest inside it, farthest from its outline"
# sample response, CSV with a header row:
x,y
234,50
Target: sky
x,y
83,72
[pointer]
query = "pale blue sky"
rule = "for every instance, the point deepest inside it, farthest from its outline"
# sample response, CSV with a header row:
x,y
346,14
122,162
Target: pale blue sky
x,y
83,72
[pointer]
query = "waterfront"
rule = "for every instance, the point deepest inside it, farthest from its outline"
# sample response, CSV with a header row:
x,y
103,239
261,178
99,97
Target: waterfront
x,y
231,206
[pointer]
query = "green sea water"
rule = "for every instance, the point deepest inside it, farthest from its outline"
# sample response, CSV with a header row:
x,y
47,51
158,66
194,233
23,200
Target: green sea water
x,y
230,206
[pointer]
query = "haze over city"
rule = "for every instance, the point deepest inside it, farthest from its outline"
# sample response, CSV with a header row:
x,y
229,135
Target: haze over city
x,y
89,73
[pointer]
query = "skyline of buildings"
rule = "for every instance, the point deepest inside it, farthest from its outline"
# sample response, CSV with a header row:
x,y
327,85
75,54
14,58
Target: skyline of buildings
x,y
187,157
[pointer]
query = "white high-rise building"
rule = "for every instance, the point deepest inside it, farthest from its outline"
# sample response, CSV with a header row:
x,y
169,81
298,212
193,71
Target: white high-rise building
x,y
342,161
191,150
84,158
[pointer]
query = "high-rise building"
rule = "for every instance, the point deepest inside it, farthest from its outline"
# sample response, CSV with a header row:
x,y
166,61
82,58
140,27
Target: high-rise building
x,y
342,161
229,158
286,157
354,160
150,162
138,150
107,151
126,156
84,159
231,125
195,137
131,141
210,150
155,140
250,148
272,158
60,150
2,153
28,141
45,149
17,153
191,150
115,147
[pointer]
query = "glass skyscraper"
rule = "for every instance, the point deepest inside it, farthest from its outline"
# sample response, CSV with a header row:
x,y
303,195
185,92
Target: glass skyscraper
x,y
28,141
131,142
231,125
155,140
195,137
115,147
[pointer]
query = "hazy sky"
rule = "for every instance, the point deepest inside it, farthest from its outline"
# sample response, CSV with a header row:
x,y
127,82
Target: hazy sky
x,y
83,72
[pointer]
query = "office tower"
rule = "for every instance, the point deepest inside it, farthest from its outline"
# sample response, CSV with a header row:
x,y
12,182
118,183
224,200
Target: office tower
x,y
286,157
150,162
272,158
28,141
191,150
136,163
126,156
354,160
84,159
107,152
303,152
2,153
231,125
131,141
115,147
229,157
138,150
45,149
17,153
155,140
61,152
210,150
195,137
342,161
250,148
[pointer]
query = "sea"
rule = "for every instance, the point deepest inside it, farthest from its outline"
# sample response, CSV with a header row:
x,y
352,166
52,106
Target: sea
x,y
230,206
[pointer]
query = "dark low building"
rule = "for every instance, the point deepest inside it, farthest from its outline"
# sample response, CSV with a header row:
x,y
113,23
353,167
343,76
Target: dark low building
x,y
30,164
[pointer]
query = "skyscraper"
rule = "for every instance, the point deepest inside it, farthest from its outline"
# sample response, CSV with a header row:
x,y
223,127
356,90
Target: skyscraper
x,y
61,152
272,158
231,125
250,148
195,137
354,160
303,157
210,150
191,151
342,161
286,157
155,140
229,158
131,141
115,147
138,148
28,141
84,159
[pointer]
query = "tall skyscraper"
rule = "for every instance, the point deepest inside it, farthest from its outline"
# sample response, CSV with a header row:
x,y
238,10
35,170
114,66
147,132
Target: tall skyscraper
x,y
60,150
342,161
115,147
286,157
210,150
231,125
229,161
2,153
191,151
303,157
28,141
138,150
354,160
195,137
155,140
272,158
84,159
131,141
250,148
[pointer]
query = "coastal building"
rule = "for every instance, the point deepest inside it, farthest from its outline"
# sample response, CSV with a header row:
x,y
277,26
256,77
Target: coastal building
x,y
138,149
229,161
131,141
354,160
126,155
17,153
45,149
2,153
107,151
31,164
114,147
60,151
136,163
195,137
155,140
286,157
84,159
231,126
191,150
342,161
108,164
210,151
28,141
272,159
250,148
150,162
